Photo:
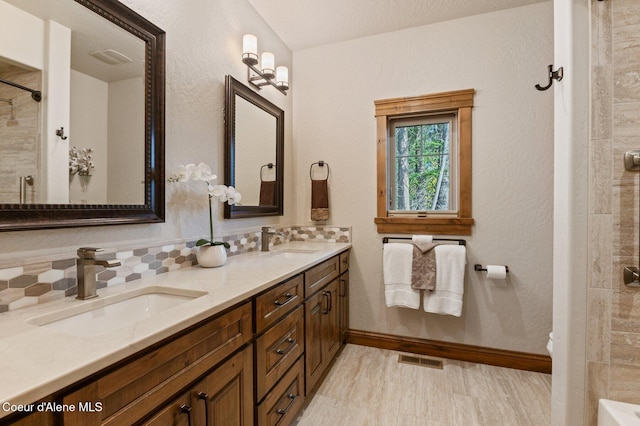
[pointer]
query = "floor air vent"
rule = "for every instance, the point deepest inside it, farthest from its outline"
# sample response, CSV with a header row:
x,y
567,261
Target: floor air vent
x,y
423,362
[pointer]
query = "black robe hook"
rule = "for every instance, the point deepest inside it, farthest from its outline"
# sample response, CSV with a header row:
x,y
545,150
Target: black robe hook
x,y
553,75
60,133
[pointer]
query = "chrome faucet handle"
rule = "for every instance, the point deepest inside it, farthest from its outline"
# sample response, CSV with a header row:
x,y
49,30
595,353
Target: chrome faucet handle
x,y
88,252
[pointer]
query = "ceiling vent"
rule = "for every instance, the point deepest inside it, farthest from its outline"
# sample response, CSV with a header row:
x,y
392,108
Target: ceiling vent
x,y
110,56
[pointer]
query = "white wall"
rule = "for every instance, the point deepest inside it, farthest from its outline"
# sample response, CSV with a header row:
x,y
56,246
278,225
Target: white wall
x,y
502,56
571,50
126,157
88,129
204,43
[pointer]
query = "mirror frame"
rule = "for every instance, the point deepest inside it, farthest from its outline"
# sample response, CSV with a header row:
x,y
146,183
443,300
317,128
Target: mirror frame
x,y
234,88
18,217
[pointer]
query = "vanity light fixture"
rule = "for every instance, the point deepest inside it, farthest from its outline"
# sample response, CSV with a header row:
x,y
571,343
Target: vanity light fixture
x,y
268,73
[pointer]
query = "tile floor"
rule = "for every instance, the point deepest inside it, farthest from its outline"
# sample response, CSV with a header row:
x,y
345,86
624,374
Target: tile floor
x,y
368,386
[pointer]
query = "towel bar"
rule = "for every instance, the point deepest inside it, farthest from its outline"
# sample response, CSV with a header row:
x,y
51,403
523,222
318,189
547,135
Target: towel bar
x,y
385,240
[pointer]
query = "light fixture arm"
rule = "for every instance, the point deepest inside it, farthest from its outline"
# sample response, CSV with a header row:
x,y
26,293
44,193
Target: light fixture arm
x,y
259,80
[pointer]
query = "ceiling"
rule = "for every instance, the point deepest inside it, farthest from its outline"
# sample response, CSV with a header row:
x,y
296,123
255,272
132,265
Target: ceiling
x,y
90,32
303,24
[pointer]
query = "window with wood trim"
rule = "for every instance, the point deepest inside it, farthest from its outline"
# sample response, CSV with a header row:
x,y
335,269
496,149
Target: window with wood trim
x,y
424,164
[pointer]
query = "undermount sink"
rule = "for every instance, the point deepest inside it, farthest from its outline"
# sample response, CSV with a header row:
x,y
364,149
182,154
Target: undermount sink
x,y
293,253
103,315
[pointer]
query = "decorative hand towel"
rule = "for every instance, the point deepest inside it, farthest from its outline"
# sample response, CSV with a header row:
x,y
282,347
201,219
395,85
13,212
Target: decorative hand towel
x,y
447,297
423,269
268,193
396,268
423,242
319,199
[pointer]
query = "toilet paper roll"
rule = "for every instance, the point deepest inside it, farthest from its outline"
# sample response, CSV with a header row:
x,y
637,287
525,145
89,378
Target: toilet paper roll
x,y
496,272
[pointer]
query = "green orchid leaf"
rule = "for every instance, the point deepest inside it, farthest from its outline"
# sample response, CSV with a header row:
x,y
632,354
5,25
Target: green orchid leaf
x,y
203,242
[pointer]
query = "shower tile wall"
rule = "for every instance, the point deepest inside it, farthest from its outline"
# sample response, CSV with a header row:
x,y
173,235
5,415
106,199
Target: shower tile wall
x,y
19,133
613,328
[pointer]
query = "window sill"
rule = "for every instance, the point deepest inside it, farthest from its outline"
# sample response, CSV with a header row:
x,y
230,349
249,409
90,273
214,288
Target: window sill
x,y
434,225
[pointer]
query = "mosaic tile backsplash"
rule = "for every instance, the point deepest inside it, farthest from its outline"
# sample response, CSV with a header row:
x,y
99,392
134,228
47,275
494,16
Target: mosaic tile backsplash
x,y
40,282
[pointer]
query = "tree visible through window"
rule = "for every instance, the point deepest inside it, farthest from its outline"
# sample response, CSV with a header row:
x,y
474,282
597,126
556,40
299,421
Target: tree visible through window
x,y
421,166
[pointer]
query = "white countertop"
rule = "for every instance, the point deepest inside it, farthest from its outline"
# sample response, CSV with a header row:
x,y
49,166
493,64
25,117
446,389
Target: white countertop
x,y
38,362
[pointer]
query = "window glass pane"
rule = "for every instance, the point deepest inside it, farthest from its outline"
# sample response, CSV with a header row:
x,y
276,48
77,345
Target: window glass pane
x,y
421,166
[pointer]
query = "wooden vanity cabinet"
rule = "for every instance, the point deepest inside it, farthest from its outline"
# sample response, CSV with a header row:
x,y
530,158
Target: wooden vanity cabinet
x,y
136,387
252,364
224,397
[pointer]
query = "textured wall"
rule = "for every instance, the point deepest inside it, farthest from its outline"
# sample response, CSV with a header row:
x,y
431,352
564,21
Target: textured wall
x,y
613,341
204,43
502,56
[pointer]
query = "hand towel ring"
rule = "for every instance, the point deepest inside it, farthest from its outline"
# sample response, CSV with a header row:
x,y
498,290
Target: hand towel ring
x,y
270,165
320,164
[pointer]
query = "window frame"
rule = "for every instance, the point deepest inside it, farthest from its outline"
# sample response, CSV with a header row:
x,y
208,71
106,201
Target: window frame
x,y
460,103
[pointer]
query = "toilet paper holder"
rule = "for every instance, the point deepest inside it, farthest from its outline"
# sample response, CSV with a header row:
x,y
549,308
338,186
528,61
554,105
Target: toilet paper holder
x,y
478,267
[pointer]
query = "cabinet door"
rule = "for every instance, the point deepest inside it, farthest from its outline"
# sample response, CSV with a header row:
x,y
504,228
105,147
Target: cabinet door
x,y
343,306
225,396
330,323
176,413
313,313
322,332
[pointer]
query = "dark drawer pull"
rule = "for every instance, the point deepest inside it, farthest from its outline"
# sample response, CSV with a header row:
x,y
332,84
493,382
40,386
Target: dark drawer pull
x,y
203,396
185,409
283,411
282,352
287,296
327,295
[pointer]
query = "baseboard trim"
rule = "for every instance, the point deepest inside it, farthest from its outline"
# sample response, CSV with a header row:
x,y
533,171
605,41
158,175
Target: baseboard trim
x,y
457,351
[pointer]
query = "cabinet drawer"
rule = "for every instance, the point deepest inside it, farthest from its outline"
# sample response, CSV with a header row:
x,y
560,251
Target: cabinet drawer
x,y
278,349
316,277
344,262
275,303
283,403
137,386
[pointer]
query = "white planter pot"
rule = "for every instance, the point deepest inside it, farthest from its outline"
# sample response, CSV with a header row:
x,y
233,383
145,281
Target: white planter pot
x,y
211,256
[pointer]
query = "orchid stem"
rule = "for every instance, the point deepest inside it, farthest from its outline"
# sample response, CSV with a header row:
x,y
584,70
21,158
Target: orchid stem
x,y
210,221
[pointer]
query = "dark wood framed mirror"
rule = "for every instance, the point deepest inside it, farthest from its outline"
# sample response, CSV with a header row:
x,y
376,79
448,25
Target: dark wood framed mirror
x,y
254,152
148,175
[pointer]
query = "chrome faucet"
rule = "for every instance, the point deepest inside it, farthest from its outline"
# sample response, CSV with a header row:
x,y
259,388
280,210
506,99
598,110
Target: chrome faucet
x,y
86,267
266,236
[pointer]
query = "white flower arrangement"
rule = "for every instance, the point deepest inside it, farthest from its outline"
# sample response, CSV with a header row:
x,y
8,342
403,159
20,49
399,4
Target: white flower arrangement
x,y
223,193
80,161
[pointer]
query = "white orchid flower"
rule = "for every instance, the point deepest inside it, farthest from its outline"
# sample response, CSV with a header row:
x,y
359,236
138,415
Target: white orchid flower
x,y
233,196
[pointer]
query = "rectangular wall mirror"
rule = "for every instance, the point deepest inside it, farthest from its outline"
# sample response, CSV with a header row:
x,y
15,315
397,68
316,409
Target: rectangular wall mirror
x,y
254,152
100,68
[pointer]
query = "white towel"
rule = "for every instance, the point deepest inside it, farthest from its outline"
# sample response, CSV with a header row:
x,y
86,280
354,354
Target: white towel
x,y
396,268
423,242
447,297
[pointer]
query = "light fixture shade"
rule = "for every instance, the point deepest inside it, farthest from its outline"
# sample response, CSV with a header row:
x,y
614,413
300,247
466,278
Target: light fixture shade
x,y
268,65
282,77
249,49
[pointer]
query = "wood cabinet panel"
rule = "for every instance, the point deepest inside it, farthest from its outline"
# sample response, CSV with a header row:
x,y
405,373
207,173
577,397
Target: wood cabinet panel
x,y
318,276
343,306
277,350
225,396
322,334
138,386
282,404
344,261
275,303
